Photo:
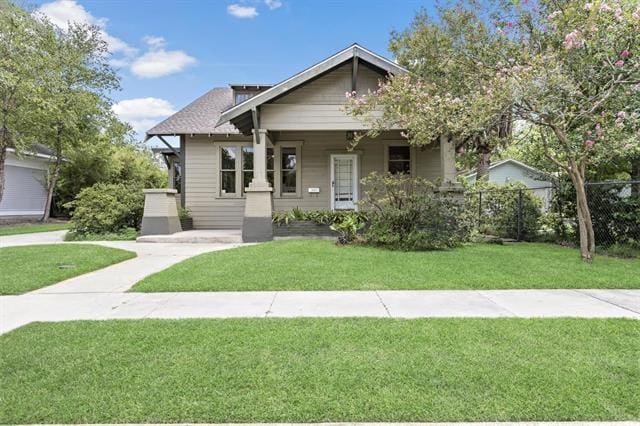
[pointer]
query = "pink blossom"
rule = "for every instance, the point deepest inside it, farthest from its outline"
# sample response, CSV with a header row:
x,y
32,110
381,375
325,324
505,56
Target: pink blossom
x,y
624,54
599,131
618,13
553,15
604,7
587,6
619,63
589,143
573,40
621,114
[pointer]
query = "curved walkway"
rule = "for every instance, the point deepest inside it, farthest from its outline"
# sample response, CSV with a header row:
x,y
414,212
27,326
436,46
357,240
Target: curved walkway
x,y
103,294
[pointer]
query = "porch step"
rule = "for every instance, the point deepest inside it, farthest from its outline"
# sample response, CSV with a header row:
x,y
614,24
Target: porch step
x,y
199,236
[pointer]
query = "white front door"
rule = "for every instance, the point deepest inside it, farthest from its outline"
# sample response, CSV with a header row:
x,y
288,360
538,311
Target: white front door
x,y
344,181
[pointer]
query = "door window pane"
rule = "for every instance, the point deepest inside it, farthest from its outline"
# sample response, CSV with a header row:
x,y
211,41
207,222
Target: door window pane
x,y
228,170
289,163
399,159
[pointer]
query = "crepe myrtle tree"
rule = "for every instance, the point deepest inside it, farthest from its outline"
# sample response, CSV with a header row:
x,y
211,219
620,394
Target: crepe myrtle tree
x,y
452,88
578,77
570,69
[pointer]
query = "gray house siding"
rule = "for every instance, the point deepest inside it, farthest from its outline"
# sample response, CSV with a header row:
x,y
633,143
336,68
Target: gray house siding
x,y
210,209
25,189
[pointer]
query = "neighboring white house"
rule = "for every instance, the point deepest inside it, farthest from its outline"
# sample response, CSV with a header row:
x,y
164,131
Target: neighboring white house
x,y
25,184
511,171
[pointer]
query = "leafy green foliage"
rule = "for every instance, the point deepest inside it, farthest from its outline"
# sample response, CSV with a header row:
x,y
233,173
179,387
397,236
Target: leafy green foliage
x,y
616,217
322,217
347,228
505,210
407,214
127,234
110,159
107,208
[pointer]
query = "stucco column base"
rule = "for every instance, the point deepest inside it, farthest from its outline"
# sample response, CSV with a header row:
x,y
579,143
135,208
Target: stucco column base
x,y
256,225
160,212
454,191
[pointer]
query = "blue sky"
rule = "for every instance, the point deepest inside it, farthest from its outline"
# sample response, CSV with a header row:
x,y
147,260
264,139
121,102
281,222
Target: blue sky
x,y
169,52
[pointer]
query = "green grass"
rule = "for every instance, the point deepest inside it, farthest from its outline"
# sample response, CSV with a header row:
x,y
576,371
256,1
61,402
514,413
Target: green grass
x,y
27,268
31,228
315,370
321,265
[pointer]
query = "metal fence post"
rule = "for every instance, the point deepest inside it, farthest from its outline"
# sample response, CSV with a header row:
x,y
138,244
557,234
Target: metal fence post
x,y
479,207
520,215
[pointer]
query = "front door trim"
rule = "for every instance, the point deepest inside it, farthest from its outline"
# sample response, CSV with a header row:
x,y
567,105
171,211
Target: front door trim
x,y
354,180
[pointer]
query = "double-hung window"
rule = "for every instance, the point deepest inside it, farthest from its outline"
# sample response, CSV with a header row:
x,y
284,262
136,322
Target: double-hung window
x,y
288,171
228,172
237,167
399,160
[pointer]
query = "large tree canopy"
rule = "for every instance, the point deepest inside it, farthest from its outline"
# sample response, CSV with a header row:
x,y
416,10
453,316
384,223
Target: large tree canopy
x,y
567,68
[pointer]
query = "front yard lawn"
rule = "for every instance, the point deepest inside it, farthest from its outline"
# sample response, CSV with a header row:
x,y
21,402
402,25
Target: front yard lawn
x,y
26,268
321,265
320,370
31,228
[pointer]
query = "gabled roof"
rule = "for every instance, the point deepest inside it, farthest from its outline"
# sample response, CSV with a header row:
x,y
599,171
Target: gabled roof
x,y
520,164
200,116
353,51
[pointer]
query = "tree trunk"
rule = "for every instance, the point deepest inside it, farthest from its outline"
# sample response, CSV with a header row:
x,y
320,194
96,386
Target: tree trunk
x,y
484,161
635,176
585,225
3,159
53,181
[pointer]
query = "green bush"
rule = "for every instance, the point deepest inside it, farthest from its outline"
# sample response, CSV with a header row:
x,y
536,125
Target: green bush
x,y
107,208
322,217
500,210
407,214
127,234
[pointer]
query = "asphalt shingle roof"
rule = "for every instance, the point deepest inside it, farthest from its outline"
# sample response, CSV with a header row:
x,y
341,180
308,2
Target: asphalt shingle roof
x,y
200,116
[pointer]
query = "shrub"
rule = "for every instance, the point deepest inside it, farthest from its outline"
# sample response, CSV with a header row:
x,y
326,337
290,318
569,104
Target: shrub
x,y
107,208
407,214
615,217
348,228
500,213
323,217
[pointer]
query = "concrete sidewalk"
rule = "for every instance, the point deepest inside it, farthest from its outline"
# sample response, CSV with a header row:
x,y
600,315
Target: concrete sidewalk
x,y
49,306
51,237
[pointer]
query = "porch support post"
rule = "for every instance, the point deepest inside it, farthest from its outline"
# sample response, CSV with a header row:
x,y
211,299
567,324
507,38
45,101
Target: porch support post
x,y
256,225
448,165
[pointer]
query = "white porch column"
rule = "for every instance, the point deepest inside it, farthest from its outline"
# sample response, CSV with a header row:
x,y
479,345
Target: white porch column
x,y
448,165
256,225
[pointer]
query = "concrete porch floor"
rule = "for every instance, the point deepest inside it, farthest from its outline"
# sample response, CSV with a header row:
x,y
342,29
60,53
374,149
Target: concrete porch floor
x,y
198,236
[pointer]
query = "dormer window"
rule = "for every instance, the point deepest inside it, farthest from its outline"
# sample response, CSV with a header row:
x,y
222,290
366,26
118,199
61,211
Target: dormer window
x,y
242,96
242,92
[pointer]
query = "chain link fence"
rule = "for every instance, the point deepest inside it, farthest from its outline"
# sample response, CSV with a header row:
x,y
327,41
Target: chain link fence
x,y
548,213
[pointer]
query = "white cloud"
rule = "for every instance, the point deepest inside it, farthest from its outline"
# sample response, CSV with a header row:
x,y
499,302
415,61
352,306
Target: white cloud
x,y
158,62
242,12
63,12
143,113
273,4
